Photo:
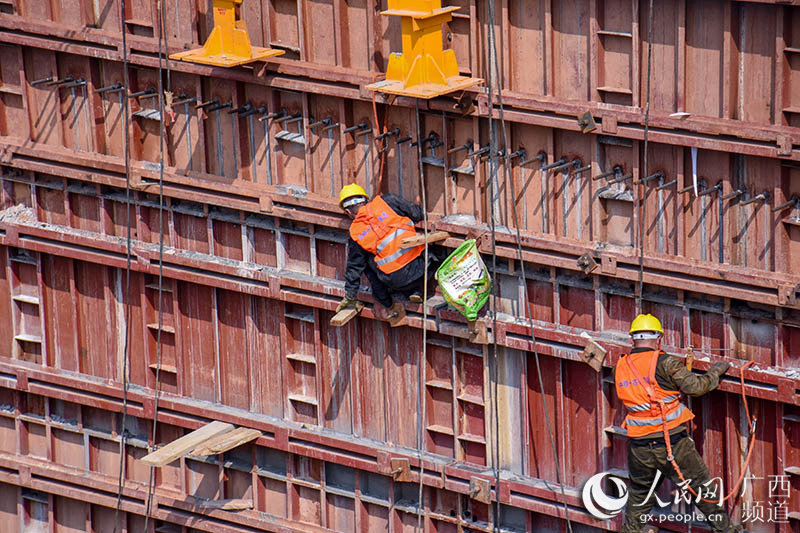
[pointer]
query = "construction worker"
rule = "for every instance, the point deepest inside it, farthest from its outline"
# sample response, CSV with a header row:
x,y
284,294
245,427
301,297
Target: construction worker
x,y
379,226
645,375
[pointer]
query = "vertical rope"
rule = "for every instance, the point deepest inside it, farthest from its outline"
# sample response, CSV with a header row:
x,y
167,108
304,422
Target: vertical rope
x,y
523,278
423,361
643,190
128,200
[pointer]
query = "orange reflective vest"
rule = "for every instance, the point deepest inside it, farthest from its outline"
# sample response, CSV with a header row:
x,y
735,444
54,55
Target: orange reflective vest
x,y
379,231
644,412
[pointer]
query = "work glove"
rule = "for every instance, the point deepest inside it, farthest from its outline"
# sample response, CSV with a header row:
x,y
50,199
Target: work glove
x,y
720,368
347,303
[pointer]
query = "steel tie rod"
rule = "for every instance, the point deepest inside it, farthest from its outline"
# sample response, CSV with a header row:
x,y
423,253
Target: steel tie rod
x,y
574,163
614,171
541,157
147,93
479,152
651,177
62,81
219,106
274,114
764,196
241,109
734,194
34,83
690,188
554,164
667,185
794,201
711,190
521,153
110,89
254,111
325,121
466,146
207,103
620,179
358,127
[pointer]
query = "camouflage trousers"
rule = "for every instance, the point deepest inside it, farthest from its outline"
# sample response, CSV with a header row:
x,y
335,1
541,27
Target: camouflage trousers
x,y
645,460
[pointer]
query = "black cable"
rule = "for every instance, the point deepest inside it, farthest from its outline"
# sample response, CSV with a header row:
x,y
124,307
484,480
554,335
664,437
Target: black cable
x,y
529,314
423,361
156,393
126,350
643,210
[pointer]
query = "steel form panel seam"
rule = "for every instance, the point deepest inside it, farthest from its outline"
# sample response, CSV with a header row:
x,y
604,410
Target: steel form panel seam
x,y
732,273
556,111
203,272
439,472
54,479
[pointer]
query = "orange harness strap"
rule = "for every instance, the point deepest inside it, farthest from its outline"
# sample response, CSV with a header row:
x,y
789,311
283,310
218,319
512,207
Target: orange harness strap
x,y
751,422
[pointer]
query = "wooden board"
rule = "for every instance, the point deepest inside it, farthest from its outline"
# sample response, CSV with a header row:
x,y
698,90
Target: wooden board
x,y
233,504
419,240
344,316
187,443
226,441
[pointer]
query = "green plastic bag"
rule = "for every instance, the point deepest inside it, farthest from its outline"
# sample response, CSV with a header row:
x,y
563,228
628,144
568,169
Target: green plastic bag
x,y
464,280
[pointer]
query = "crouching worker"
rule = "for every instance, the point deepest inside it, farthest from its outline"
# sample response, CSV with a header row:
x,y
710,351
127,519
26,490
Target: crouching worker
x,y
374,248
645,379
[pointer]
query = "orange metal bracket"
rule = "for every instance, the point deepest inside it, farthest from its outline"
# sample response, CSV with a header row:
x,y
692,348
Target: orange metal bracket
x,y
424,69
228,45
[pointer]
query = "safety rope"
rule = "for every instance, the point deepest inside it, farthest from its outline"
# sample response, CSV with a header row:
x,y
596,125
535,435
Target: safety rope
x,y
523,278
751,423
162,125
643,202
128,200
423,361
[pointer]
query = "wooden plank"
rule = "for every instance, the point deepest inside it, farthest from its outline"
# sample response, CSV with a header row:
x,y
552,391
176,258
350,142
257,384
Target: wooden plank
x,y
226,441
344,316
187,443
418,240
231,504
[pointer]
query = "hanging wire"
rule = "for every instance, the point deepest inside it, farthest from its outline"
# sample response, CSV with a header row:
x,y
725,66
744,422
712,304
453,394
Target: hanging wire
x,y
423,361
128,201
643,203
529,314
157,391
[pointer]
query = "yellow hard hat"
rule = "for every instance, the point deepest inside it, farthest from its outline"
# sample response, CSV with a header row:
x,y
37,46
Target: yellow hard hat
x,y
351,190
646,323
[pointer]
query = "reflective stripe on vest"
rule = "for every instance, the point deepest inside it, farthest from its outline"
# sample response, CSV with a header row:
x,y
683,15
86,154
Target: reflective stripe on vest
x,y
644,416
379,231
658,420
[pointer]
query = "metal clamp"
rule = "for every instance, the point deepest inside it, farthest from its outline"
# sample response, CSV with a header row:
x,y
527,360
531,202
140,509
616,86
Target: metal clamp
x,y
241,109
479,152
274,114
763,197
219,106
324,122
651,177
288,119
110,89
794,201
554,164
712,190
255,111
541,157
466,146
734,194
147,93
207,103
62,81
34,83
519,153
358,127
613,172
667,185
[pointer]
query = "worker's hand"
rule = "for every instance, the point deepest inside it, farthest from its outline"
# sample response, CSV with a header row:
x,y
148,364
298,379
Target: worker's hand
x,y
347,303
720,368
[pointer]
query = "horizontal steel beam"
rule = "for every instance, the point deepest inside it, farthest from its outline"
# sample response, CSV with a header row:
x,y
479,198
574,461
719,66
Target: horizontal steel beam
x,y
741,137
749,284
439,472
281,285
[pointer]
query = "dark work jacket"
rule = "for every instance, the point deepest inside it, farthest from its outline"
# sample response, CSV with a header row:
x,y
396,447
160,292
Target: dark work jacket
x,y
360,261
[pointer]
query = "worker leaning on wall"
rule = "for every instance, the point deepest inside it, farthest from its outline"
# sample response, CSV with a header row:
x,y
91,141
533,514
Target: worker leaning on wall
x,y
379,226
644,378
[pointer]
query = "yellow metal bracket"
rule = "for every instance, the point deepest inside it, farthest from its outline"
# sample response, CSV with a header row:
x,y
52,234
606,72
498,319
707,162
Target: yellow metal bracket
x,y
228,45
424,69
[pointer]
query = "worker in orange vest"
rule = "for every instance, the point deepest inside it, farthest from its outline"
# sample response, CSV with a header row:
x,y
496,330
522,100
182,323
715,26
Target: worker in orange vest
x,y
648,369
379,226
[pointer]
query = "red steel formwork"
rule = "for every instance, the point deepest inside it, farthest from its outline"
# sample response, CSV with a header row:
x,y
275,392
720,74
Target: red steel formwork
x,y
254,245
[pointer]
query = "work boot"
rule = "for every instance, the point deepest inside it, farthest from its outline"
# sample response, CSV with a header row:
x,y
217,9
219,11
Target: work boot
x,y
415,298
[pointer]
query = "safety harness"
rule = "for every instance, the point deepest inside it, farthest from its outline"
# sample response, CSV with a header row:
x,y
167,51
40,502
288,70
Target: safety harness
x,y
655,399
